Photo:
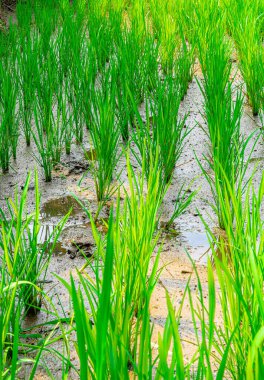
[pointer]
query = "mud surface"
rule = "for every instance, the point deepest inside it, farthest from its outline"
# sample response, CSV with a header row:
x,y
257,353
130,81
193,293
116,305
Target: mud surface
x,y
72,178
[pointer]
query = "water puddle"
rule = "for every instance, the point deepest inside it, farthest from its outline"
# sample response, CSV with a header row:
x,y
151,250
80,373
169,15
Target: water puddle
x,y
197,243
76,236
75,228
58,207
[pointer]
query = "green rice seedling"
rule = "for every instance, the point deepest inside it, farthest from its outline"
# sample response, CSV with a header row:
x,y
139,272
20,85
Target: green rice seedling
x,y
245,24
14,352
169,132
125,108
140,223
166,137
87,74
49,142
105,134
166,368
66,118
238,256
184,198
131,65
114,331
183,66
118,302
125,112
8,128
74,35
49,134
223,117
57,132
46,19
186,18
116,20
166,31
9,92
150,68
146,149
210,361
9,327
95,330
64,63
24,16
44,144
46,85
27,69
76,101
26,259
230,149
137,78
100,34
137,13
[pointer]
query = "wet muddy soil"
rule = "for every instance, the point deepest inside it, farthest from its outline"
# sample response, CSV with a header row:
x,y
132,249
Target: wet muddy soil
x,y
72,178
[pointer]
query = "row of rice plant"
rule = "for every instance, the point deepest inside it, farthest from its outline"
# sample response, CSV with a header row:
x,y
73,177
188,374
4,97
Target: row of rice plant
x,y
48,92
222,114
246,26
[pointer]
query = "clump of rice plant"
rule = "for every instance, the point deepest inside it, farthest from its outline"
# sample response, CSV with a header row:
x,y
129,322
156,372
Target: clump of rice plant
x,y
223,116
169,131
166,30
26,259
105,135
183,66
163,134
66,119
72,65
49,132
10,314
46,17
100,33
237,256
27,69
46,85
137,76
9,130
120,300
245,24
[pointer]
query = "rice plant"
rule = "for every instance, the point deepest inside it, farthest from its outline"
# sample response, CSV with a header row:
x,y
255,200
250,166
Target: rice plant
x,y
169,131
9,130
222,115
183,66
27,68
105,135
26,260
9,325
100,33
163,134
245,24
118,302
237,258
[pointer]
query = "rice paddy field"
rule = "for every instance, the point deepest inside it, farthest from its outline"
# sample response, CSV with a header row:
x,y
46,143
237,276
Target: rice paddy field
x,y
131,189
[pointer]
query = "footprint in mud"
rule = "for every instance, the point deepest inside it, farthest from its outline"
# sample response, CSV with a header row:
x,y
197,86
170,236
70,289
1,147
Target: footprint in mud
x,y
78,240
